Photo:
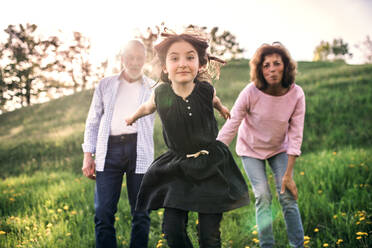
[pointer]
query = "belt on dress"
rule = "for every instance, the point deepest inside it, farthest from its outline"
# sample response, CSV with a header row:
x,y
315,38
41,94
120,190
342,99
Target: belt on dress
x,y
197,154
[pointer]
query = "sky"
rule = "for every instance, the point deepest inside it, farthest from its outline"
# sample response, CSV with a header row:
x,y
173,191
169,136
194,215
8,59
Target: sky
x,y
298,24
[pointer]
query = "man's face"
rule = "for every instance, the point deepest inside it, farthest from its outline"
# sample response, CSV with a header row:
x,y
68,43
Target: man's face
x,y
134,59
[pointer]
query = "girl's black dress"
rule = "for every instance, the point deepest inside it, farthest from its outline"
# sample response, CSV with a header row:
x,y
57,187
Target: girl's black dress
x,y
209,183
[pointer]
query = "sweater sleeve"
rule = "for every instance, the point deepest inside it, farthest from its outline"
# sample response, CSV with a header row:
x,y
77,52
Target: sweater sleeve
x,y
238,112
296,127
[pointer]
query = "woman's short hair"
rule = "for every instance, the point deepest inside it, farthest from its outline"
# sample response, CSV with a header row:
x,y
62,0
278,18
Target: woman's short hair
x,y
290,66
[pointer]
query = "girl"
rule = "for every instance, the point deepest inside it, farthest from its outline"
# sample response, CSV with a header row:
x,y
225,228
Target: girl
x,y
197,173
269,114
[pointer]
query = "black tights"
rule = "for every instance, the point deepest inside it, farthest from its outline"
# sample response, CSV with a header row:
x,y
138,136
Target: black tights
x,y
175,229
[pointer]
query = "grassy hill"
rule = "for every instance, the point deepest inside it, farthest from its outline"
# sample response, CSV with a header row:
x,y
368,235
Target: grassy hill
x,y
46,202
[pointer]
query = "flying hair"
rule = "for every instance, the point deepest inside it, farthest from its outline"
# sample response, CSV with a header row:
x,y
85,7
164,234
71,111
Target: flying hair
x,y
197,38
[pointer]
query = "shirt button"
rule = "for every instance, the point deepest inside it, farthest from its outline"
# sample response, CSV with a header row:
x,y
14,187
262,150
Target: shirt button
x,y
186,100
190,114
188,107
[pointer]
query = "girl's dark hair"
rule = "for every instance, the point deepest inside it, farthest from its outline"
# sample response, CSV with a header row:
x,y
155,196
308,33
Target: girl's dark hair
x,y
290,66
197,41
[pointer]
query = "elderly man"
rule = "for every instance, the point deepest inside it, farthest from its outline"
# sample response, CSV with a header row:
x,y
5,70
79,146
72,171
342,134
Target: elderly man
x,y
111,148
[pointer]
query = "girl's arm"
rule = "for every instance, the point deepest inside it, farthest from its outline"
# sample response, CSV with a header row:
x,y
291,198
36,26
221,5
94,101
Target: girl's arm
x,y
224,111
146,108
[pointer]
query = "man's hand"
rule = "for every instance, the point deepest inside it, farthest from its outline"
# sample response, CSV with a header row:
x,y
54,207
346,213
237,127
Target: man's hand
x,y
89,166
289,183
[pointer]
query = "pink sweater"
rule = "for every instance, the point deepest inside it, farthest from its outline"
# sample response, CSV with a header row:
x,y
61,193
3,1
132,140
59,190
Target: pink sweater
x,y
267,124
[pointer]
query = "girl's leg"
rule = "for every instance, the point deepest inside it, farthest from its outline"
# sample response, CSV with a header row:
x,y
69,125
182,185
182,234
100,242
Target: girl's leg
x,y
292,217
175,228
209,230
256,171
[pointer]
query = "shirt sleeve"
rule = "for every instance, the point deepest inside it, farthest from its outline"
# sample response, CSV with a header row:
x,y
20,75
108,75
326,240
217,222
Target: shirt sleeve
x,y
296,127
93,121
238,112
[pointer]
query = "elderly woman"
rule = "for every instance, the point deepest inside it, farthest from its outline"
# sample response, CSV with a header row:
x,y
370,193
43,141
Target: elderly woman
x,y
269,118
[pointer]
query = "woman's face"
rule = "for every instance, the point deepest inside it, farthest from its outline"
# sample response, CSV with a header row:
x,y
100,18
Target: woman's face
x,y
181,62
272,69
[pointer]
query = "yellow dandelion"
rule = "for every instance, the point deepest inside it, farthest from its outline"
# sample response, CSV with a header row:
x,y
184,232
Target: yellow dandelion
x,y
73,212
334,153
316,230
159,245
27,228
362,218
343,214
197,222
51,211
117,218
320,191
335,216
306,242
65,207
306,237
11,199
247,246
162,235
339,241
2,232
49,225
359,237
357,223
254,232
68,234
325,245
302,173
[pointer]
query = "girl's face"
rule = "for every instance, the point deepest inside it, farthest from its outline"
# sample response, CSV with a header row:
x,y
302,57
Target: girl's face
x,y
272,69
181,63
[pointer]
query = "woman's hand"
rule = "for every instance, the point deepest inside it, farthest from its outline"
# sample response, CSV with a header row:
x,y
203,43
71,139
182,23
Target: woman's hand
x,y
289,183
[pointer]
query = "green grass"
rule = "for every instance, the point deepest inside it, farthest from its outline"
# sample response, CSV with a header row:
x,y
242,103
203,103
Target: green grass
x,y
46,202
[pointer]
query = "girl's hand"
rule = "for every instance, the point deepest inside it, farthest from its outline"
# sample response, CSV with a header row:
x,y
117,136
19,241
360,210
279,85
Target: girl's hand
x,y
225,112
289,183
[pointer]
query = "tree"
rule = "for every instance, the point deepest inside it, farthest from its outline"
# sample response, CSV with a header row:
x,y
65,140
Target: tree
x,y
76,63
322,51
223,44
340,49
366,49
220,44
326,51
27,58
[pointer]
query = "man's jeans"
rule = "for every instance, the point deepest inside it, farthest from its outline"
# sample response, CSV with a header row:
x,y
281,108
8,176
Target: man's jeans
x,y
120,159
175,229
256,171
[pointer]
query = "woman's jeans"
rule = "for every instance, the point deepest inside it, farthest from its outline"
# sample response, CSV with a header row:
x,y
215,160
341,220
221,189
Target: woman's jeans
x,y
256,171
175,229
120,159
